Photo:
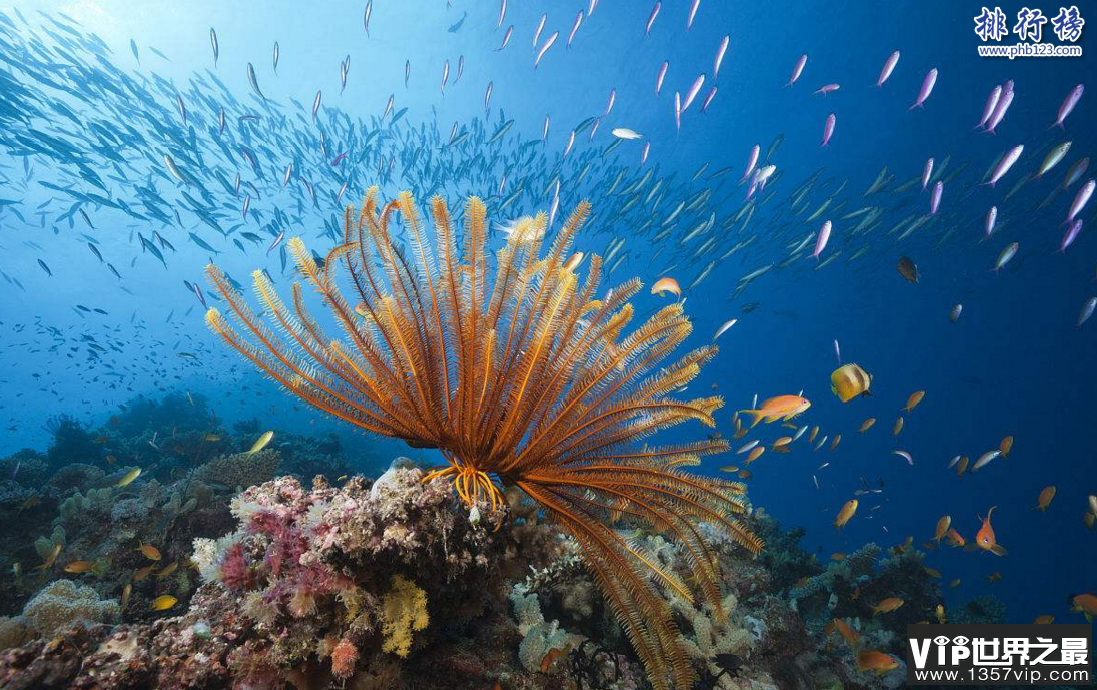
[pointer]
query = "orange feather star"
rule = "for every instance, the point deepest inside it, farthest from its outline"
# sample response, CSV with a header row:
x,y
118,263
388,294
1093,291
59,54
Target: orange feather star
x,y
525,378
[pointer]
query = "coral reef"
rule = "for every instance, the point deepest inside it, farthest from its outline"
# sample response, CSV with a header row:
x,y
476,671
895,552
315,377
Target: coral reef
x,y
841,577
328,581
359,567
13,631
393,584
181,412
239,470
63,602
389,583
14,495
28,468
190,468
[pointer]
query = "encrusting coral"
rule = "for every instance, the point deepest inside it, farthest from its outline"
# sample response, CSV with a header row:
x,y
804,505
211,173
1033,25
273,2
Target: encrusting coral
x,y
525,379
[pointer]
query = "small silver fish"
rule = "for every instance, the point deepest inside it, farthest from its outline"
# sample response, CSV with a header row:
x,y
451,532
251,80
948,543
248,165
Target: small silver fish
x,y
254,83
1087,311
985,458
1006,255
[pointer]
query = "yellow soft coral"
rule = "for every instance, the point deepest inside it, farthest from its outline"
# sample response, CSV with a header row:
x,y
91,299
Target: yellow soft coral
x,y
405,610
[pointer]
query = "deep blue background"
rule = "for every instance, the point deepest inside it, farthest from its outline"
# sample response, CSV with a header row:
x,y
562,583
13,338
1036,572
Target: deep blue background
x,y
1014,364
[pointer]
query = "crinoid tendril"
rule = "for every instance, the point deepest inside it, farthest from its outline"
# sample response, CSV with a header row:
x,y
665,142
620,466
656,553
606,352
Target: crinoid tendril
x,y
526,377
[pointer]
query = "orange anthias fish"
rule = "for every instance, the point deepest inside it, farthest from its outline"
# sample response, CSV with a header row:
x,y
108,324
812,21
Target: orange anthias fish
x,y
914,399
905,546
548,659
887,605
846,513
878,662
149,551
848,634
962,467
667,284
779,408
51,557
78,567
985,540
942,528
954,537
1043,501
1085,603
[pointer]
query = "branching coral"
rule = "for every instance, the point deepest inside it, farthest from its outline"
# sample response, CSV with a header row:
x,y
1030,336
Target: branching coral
x,y
539,637
856,566
526,379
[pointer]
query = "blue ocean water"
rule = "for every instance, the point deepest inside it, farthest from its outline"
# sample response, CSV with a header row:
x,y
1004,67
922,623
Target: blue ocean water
x,y
1014,363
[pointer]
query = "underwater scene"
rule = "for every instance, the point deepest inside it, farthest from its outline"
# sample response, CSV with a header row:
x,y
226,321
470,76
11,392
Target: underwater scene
x,y
580,344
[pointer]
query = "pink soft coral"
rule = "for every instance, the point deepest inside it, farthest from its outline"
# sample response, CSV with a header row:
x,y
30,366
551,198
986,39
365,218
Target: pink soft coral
x,y
235,571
